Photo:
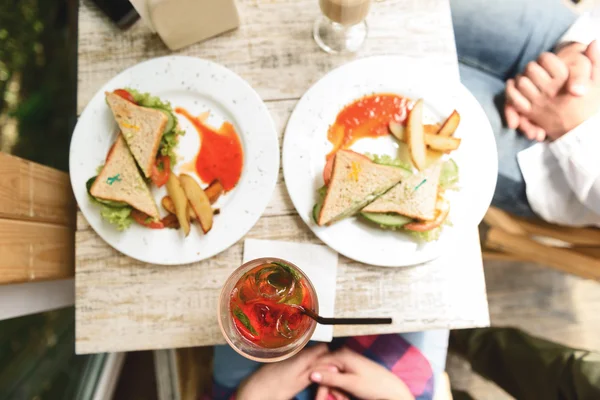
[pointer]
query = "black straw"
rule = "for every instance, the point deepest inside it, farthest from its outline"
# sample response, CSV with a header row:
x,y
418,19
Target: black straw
x,y
345,321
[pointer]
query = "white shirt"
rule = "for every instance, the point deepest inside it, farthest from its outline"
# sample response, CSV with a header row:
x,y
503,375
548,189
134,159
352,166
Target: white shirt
x,y
563,177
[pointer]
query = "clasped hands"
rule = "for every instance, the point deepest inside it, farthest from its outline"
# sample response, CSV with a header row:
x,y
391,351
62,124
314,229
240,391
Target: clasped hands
x,y
555,93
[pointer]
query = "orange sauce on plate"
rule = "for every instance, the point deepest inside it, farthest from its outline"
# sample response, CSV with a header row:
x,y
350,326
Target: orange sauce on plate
x,y
220,156
368,116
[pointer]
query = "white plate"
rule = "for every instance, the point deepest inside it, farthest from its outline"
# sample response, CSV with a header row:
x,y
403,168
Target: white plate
x,y
305,146
196,85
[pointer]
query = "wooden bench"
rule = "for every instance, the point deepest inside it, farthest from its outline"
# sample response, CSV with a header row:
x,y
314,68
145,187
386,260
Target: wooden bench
x,y
37,222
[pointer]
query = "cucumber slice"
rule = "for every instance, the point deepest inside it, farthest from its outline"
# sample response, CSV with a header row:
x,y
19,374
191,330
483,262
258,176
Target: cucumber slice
x,y
171,121
449,174
389,220
321,192
110,203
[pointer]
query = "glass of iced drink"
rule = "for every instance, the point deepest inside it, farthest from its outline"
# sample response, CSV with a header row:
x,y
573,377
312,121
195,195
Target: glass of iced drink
x,y
342,27
260,309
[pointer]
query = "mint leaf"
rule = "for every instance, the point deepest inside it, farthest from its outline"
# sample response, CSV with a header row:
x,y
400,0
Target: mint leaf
x,y
243,318
289,269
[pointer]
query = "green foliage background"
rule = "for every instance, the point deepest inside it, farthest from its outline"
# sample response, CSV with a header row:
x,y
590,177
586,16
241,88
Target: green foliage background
x,y
38,49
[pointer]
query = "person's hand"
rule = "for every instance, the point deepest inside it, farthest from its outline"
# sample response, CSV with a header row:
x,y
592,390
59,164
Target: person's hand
x,y
547,101
357,375
282,380
544,77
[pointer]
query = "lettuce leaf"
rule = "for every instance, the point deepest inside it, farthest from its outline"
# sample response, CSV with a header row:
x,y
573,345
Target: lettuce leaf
x,y
147,100
169,142
449,175
120,217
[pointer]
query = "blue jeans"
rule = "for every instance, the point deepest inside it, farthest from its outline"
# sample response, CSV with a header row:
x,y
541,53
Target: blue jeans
x,y
495,40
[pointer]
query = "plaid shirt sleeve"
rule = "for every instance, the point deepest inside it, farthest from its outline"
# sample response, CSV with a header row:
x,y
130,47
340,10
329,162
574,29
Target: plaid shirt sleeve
x,y
391,351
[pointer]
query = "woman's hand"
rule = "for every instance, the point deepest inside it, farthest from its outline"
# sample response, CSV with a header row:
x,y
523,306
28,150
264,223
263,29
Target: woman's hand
x,y
556,93
347,371
282,380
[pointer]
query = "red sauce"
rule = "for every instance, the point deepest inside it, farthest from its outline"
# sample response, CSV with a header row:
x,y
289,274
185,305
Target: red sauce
x,y
220,156
368,116
263,306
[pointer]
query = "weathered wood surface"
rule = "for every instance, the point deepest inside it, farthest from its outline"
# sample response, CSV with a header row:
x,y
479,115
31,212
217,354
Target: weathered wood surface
x,y
273,49
122,304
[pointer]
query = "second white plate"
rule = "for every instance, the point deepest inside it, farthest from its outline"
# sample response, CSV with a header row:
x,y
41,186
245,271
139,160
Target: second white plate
x,y
305,147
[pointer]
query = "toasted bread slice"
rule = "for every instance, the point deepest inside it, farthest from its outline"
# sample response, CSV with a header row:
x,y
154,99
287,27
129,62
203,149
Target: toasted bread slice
x,y
120,180
415,197
142,128
355,182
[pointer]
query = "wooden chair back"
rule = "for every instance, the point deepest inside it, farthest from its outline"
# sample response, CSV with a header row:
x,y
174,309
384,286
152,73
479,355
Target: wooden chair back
x,y
572,250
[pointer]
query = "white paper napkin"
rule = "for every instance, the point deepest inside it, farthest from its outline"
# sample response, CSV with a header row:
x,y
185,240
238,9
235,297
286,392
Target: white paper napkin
x,y
318,262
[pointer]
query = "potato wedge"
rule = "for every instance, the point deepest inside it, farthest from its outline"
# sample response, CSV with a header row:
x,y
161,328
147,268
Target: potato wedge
x,y
180,202
171,221
214,191
435,142
199,201
398,129
415,136
442,143
449,127
433,157
167,203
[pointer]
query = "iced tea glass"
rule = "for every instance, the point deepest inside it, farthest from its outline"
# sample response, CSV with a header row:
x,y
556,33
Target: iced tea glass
x,y
260,309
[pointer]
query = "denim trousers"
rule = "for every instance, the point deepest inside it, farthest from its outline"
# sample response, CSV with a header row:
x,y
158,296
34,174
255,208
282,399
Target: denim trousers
x,y
495,40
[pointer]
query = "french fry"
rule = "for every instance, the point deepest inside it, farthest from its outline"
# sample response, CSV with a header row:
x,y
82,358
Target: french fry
x,y
167,203
199,201
180,202
214,191
449,127
435,142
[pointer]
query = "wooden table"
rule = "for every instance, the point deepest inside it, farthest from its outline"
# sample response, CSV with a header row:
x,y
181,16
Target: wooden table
x,y
123,304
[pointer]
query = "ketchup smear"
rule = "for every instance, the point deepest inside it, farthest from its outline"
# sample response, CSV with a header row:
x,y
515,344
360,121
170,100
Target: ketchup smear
x,y
220,156
368,116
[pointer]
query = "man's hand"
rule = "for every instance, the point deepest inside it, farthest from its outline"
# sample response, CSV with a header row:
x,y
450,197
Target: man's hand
x,y
282,380
556,93
358,376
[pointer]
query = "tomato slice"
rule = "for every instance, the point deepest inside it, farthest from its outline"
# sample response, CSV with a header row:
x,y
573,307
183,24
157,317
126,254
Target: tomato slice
x,y
443,209
328,170
125,94
145,220
161,171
